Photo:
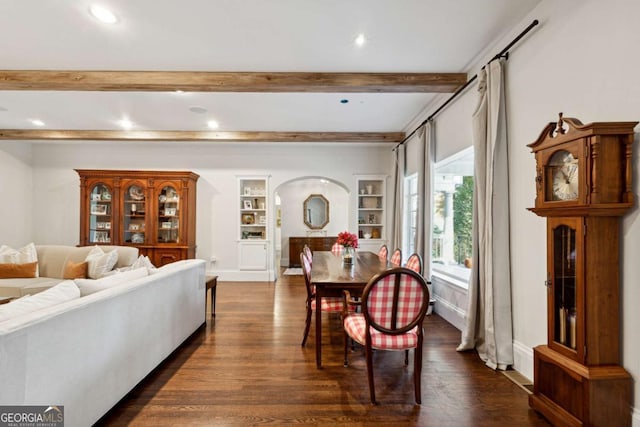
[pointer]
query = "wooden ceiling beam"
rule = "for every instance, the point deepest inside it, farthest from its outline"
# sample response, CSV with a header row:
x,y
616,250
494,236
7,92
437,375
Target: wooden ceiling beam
x,y
182,136
196,81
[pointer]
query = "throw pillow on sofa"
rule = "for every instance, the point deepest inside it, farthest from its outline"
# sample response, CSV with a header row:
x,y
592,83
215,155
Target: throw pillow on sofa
x,y
24,255
142,261
100,262
88,286
62,292
18,271
75,270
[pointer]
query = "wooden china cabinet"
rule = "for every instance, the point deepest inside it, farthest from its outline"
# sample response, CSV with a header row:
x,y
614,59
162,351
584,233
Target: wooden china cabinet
x,y
154,211
583,188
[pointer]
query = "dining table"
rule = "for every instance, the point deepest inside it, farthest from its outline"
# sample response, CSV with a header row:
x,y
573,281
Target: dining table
x,y
330,276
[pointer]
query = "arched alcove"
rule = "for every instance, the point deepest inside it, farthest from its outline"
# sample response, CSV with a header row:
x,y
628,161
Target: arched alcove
x,y
289,212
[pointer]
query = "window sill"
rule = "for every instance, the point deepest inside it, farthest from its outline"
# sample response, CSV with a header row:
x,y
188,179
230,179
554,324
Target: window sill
x,y
451,280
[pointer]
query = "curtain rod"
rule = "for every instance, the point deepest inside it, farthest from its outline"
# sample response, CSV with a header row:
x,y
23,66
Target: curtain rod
x,y
503,53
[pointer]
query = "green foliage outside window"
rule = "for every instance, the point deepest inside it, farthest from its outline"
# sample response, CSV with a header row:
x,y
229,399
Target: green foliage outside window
x,y
463,219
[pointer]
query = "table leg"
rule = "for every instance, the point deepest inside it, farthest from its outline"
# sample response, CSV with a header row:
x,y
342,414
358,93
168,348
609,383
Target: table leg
x,y
318,328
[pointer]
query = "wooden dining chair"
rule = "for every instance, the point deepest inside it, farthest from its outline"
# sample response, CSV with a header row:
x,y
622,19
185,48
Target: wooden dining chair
x,y
414,262
307,252
394,304
329,304
396,257
383,252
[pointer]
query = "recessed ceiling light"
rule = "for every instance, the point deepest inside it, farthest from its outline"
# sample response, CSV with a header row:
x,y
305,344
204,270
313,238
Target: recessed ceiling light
x,y
102,14
37,122
198,110
344,101
213,124
360,40
178,91
126,123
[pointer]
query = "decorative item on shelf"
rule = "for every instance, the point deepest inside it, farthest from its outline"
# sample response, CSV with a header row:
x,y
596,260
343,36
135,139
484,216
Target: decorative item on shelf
x,y
375,233
99,210
170,211
136,193
369,189
367,235
134,208
248,219
106,195
349,242
247,204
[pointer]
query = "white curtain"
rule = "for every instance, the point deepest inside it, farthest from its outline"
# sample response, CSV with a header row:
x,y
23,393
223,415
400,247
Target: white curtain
x,y
395,239
488,326
426,156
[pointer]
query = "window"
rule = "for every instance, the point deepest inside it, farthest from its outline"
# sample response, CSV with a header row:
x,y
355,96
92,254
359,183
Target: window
x,y
452,217
411,215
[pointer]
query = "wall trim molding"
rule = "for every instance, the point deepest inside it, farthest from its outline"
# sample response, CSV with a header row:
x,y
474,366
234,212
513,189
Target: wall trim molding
x,y
450,312
523,359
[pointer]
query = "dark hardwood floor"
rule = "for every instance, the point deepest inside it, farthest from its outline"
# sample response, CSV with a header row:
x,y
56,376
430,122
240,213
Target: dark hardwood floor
x,y
246,367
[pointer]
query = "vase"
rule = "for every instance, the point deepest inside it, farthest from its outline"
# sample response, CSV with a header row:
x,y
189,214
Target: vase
x,y
348,255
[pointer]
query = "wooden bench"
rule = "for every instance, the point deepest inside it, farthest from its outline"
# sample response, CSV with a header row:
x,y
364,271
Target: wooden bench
x,y
212,283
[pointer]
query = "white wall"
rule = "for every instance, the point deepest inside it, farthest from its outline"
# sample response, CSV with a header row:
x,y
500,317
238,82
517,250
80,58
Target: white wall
x,y
56,184
582,60
16,194
293,194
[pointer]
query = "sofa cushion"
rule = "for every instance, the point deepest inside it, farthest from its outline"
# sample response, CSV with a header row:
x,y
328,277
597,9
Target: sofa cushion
x,y
60,293
18,287
75,270
26,254
89,286
100,262
16,271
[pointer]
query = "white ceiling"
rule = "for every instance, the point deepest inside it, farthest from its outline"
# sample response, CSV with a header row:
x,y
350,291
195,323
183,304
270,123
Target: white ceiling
x,y
418,36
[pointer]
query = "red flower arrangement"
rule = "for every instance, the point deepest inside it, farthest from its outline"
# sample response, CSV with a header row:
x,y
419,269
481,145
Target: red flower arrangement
x,y
347,239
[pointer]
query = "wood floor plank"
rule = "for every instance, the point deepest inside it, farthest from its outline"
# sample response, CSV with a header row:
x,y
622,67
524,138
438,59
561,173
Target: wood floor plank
x,y
246,367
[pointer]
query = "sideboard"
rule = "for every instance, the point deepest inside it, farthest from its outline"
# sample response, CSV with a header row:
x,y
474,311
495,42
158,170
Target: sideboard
x,y
315,244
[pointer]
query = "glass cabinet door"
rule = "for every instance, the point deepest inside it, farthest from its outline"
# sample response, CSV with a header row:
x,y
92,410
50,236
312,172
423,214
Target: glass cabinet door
x,y
564,271
100,214
565,263
134,214
168,215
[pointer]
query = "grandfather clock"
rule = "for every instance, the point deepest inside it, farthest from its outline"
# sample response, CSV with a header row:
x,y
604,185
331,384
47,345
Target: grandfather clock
x,y
583,187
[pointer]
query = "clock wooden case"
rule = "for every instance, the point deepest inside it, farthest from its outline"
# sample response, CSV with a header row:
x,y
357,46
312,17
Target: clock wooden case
x,y
583,169
154,211
583,187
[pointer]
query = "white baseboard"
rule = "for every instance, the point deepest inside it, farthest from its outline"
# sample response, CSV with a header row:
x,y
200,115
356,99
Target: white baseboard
x,y
523,359
635,417
244,276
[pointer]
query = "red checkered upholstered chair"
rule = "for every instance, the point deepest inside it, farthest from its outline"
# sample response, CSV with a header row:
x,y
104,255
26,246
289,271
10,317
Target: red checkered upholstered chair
x,y
329,304
414,262
337,248
394,304
383,252
396,257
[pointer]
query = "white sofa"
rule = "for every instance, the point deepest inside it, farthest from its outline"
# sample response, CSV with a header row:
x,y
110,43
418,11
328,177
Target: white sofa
x,y
88,353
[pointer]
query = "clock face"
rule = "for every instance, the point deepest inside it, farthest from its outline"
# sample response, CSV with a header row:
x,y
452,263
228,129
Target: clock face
x,y
564,169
